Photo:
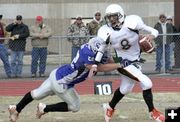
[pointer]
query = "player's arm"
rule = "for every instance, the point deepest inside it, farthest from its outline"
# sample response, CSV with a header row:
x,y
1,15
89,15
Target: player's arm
x,y
136,23
102,68
108,67
105,67
153,33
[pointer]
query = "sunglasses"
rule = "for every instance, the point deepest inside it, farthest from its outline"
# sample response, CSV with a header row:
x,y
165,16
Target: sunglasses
x,y
78,19
97,15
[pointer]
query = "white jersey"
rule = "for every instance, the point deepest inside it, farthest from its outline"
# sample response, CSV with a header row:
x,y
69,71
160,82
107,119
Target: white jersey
x,y
126,40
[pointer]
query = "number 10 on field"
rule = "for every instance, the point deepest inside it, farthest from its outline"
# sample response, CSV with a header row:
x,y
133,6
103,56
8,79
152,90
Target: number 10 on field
x,y
103,88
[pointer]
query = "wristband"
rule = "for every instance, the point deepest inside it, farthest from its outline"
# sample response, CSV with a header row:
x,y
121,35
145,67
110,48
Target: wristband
x,y
94,66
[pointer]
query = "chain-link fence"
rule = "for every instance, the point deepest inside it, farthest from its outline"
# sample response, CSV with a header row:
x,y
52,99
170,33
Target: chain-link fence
x,y
59,53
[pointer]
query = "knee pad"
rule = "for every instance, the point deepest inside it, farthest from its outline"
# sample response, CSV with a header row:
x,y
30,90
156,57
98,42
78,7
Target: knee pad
x,y
125,91
146,83
74,107
126,88
146,86
36,95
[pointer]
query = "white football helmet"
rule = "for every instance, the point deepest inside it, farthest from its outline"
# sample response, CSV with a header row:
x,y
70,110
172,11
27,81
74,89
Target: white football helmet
x,y
95,43
115,9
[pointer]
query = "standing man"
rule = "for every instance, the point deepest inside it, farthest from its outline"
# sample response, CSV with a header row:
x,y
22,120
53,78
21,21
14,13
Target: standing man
x,y
95,24
3,49
122,33
40,34
163,28
17,43
77,29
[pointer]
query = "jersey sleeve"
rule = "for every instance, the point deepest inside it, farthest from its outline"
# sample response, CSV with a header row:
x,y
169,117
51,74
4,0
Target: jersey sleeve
x,y
136,23
103,33
87,56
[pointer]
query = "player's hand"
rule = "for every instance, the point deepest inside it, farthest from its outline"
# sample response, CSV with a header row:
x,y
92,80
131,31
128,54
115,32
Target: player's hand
x,y
15,22
41,36
16,36
150,37
12,38
92,71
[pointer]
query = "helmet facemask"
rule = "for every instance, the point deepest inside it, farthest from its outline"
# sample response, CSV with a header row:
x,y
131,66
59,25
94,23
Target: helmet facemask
x,y
114,10
113,19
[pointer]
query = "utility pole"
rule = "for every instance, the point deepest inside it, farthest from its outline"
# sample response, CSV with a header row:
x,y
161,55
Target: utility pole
x,y
177,25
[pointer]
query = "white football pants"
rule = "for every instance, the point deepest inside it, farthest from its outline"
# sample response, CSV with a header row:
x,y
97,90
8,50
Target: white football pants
x,y
127,83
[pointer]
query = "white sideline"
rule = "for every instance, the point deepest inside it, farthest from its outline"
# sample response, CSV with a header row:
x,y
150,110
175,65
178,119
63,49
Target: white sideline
x,y
59,118
133,99
123,117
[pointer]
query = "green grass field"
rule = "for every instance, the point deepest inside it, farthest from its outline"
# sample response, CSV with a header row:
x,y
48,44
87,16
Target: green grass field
x,y
131,109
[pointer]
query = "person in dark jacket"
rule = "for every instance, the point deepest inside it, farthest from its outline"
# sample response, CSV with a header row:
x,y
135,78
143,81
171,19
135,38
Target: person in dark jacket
x,y
17,43
163,28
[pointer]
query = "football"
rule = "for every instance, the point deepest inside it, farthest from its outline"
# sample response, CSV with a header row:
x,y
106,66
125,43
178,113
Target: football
x,y
146,45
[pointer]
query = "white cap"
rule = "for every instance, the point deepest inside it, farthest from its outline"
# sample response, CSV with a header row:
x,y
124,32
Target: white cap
x,y
169,17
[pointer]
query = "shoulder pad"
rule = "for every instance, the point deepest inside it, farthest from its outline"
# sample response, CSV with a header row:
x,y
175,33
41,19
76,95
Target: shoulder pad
x,y
132,22
104,32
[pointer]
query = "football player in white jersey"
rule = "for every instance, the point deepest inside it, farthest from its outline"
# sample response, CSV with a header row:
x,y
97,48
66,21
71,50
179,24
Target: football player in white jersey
x,y
122,33
62,80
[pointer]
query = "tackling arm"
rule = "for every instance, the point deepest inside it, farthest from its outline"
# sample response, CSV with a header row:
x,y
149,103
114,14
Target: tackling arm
x,y
105,67
102,68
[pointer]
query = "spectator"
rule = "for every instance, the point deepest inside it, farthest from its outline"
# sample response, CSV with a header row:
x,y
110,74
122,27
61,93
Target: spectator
x,y
77,29
17,43
39,33
164,28
172,45
3,49
95,24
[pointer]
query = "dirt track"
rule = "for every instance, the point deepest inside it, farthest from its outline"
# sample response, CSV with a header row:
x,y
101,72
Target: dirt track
x,y
16,87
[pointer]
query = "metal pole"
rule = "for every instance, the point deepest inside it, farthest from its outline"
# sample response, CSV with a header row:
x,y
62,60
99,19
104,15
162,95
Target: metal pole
x,y
164,55
60,49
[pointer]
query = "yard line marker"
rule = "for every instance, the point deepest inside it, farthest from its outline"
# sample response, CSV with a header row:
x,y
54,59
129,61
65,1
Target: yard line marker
x,y
59,118
123,117
133,99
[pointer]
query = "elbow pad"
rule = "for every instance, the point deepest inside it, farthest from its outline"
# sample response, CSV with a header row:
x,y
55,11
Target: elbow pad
x,y
99,56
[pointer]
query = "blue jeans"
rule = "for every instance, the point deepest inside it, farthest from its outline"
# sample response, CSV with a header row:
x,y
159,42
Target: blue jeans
x,y
74,52
17,63
5,59
159,55
38,54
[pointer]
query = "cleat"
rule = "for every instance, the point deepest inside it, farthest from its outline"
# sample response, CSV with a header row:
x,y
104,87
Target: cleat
x,y
108,112
40,110
33,75
13,113
157,115
41,75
